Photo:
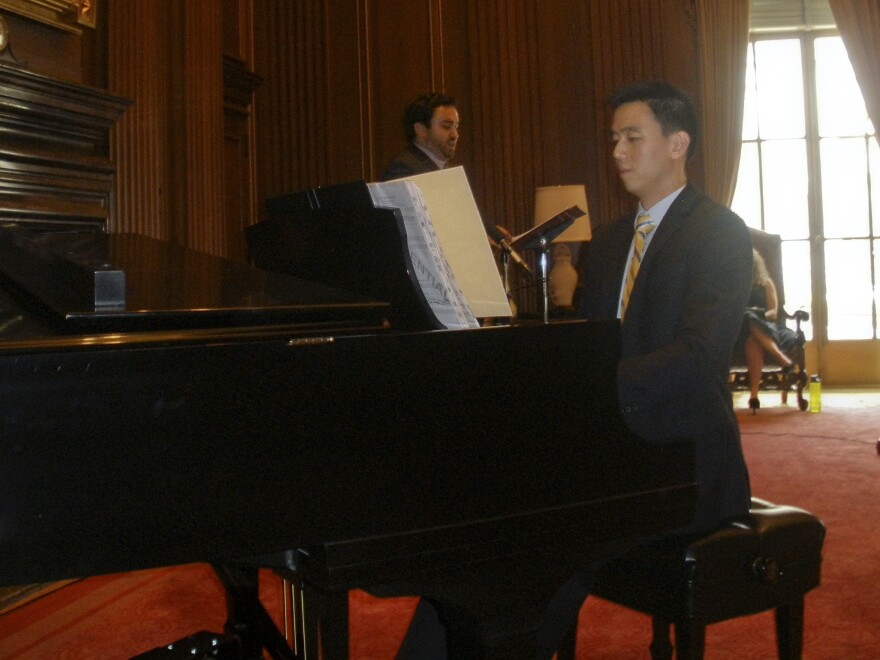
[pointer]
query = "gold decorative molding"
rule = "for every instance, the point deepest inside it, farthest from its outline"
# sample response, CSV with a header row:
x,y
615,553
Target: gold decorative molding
x,y
4,34
68,15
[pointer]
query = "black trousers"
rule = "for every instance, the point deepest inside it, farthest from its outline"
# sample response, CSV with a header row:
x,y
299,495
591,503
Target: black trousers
x,y
513,623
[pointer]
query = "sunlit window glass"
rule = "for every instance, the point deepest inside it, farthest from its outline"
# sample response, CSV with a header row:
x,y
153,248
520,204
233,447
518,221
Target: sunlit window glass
x,y
750,106
795,270
844,186
874,160
747,199
786,210
780,94
839,99
810,172
849,292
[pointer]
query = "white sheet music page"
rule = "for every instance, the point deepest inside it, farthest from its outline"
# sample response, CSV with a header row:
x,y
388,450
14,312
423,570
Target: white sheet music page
x,y
432,270
461,232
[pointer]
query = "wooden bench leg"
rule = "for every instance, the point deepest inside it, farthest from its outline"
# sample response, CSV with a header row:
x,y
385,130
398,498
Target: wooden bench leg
x,y
790,629
661,647
690,640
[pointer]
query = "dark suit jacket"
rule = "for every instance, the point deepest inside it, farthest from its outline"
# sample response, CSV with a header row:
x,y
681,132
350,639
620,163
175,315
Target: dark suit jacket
x,y
411,160
684,314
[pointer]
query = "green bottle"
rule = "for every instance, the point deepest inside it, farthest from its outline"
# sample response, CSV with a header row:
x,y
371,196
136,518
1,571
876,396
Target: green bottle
x,y
815,394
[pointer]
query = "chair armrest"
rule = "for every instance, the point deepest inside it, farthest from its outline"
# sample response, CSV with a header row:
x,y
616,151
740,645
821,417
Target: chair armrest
x,y
799,316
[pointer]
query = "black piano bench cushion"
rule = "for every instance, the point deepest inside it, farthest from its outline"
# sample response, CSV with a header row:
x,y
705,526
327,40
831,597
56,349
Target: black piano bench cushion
x,y
764,560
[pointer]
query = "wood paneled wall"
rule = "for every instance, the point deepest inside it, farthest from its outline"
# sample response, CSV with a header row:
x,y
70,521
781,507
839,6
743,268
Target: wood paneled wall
x,y
632,40
167,57
356,65
334,77
529,77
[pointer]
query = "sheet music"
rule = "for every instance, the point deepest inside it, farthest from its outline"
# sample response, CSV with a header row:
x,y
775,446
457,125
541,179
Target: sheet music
x,y
462,234
432,270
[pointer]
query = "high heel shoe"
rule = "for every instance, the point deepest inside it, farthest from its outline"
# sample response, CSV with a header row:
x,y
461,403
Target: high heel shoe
x,y
754,404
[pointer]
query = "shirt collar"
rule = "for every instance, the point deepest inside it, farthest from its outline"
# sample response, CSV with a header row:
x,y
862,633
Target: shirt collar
x,y
430,154
658,211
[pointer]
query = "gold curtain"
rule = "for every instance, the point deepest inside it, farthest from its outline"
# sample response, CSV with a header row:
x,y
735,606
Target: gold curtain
x,y
859,25
723,37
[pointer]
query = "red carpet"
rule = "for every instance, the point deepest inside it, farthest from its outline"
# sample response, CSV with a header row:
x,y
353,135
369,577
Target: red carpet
x,y
826,463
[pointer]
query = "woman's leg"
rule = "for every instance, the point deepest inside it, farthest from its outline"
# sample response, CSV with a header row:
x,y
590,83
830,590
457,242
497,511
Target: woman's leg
x,y
769,346
754,363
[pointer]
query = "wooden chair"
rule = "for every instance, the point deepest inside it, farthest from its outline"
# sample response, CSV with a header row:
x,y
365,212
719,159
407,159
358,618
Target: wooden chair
x,y
773,376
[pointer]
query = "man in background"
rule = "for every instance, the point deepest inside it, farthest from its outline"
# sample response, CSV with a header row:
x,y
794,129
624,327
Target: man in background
x,y
431,126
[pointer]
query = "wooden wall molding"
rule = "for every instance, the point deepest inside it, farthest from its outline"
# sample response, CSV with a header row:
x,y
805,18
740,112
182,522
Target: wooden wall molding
x,y
138,67
291,109
55,170
167,57
200,115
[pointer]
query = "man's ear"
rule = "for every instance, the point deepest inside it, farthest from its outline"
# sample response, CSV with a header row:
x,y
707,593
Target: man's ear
x,y
421,130
681,140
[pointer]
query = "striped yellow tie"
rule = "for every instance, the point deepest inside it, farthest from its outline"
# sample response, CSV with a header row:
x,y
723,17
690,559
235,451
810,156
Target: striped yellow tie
x,y
644,226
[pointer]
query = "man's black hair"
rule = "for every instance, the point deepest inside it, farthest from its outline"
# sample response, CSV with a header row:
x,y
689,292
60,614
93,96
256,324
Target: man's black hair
x,y
421,111
673,108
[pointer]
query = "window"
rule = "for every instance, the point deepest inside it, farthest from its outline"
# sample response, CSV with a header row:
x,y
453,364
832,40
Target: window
x,y
810,171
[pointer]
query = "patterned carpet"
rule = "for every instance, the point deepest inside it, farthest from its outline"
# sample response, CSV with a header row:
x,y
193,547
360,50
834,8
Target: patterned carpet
x,y
826,463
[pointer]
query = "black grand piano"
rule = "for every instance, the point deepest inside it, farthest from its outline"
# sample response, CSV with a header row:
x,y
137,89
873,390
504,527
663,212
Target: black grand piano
x,y
161,406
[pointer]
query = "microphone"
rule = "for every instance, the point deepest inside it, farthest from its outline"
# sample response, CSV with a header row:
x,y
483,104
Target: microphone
x,y
499,237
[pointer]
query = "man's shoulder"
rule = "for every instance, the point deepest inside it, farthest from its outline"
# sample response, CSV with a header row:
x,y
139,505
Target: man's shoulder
x,y
707,212
408,162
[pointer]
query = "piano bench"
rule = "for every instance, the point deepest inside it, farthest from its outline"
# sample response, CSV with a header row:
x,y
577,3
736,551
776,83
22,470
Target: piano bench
x,y
769,559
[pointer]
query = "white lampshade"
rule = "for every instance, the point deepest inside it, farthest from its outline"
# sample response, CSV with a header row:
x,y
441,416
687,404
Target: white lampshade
x,y
550,200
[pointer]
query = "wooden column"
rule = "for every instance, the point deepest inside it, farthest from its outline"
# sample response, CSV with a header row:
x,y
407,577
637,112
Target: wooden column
x,y
166,55
138,62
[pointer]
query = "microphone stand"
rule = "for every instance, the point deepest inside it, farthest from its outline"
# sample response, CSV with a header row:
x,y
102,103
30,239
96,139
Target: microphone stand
x,y
540,237
544,268
505,270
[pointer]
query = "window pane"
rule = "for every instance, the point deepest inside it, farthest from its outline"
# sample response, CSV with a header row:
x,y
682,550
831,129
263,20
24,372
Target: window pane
x,y
841,105
874,160
750,106
747,197
784,168
844,186
780,88
848,288
796,280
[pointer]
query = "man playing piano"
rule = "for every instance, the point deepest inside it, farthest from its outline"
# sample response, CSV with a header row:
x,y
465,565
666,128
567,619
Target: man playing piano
x,y
676,273
679,319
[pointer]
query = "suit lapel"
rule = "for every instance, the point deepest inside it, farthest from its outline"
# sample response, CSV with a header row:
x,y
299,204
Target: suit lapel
x,y
670,225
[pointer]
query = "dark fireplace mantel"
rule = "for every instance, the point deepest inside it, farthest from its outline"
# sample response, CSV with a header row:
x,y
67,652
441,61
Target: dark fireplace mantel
x,y
55,169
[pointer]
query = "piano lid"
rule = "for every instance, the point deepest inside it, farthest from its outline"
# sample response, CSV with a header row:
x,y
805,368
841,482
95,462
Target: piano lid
x,y
94,282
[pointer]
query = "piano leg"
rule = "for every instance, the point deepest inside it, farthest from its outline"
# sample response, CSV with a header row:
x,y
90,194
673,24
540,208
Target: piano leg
x,y
247,619
321,622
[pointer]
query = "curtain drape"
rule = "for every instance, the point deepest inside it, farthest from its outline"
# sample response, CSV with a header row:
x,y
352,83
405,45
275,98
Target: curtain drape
x,y
723,36
859,25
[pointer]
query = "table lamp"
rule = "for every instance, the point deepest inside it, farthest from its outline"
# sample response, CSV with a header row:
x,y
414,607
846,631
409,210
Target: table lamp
x,y
550,200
